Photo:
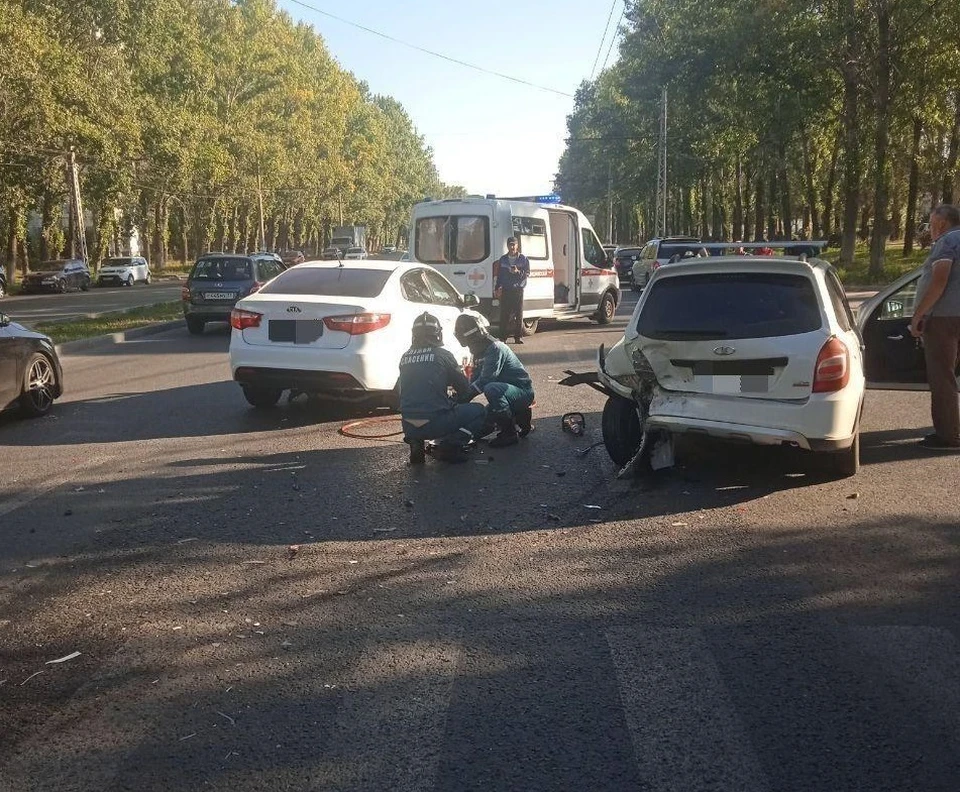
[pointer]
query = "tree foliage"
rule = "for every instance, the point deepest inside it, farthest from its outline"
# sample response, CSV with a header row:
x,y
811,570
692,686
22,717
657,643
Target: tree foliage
x,y
184,115
785,117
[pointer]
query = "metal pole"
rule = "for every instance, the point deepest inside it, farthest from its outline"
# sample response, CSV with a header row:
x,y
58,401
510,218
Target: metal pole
x,y
263,236
77,207
609,205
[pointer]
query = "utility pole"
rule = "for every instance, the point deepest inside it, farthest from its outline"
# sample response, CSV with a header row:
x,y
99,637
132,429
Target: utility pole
x,y
76,206
660,221
609,205
263,236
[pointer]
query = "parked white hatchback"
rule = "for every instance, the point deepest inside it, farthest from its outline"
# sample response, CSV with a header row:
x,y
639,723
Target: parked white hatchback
x,y
337,331
123,271
755,349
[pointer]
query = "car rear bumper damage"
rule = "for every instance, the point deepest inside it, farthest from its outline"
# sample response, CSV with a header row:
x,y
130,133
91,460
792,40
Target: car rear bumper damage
x,y
334,384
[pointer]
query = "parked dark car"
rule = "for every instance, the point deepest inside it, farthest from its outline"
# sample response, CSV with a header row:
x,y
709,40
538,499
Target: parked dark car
x,y
623,261
291,258
218,280
30,373
58,276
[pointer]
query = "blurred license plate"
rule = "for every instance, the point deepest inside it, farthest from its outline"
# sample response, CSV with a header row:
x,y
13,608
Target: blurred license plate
x,y
292,331
218,295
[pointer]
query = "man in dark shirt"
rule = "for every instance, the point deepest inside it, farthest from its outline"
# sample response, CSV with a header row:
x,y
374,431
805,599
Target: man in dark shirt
x,y
427,412
514,268
500,376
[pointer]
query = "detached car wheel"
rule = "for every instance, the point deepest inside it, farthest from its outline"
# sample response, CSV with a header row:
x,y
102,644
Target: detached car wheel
x,y
622,429
39,386
261,397
530,326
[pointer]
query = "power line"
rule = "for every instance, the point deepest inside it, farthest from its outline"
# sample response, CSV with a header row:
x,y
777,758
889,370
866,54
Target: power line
x,y
613,38
431,52
603,38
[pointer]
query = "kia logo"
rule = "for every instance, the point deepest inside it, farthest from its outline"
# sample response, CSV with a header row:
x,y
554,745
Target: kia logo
x,y
723,350
293,309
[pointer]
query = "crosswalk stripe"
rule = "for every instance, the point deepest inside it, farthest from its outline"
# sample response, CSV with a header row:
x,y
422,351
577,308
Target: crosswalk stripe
x,y
683,723
390,727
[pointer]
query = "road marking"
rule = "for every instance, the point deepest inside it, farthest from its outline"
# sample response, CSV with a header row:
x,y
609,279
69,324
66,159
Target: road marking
x,y
683,723
391,726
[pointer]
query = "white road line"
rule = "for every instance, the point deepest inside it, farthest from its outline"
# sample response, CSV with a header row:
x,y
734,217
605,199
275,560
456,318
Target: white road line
x,y
683,723
391,725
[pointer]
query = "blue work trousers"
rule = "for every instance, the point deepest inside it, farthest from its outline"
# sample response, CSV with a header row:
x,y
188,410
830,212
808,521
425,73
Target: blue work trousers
x,y
457,426
507,399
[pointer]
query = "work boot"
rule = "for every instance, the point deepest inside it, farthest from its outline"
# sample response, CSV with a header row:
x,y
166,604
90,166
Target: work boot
x,y
507,436
418,453
525,421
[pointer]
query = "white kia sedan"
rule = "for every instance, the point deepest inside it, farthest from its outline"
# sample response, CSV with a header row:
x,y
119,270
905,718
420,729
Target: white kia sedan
x,y
337,331
756,349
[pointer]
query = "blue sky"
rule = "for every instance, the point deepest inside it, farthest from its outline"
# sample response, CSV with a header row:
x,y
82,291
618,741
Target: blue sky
x,y
488,134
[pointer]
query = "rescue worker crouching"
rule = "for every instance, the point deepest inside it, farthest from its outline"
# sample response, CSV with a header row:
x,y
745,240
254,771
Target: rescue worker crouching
x,y
427,412
500,376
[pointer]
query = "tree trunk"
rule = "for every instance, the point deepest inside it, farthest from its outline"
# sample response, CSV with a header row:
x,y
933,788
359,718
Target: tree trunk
x,y
826,224
758,207
881,180
11,246
786,204
950,174
771,207
738,201
810,213
913,187
851,136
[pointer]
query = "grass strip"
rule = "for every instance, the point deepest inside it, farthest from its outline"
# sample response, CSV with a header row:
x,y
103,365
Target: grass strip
x,y
114,322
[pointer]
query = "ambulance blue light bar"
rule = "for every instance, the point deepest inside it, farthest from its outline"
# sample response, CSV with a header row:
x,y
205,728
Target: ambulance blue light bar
x,y
553,198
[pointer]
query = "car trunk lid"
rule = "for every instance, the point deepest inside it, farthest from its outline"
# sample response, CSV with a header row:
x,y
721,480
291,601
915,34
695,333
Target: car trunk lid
x,y
291,322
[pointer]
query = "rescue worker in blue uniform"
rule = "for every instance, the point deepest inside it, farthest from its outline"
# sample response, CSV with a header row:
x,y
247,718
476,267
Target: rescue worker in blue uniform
x,y
500,376
427,411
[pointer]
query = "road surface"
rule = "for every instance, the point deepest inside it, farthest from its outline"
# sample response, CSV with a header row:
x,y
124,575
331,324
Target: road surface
x,y
262,603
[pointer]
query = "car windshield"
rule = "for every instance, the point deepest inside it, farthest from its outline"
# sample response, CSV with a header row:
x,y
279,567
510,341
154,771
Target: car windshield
x,y
48,266
628,252
118,262
730,305
355,250
329,281
222,269
668,251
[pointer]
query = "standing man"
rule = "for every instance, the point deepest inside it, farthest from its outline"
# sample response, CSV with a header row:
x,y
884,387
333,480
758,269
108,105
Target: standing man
x,y
500,376
427,412
937,320
511,281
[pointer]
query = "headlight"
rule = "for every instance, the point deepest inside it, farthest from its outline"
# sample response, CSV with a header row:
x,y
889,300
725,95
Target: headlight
x,y
49,280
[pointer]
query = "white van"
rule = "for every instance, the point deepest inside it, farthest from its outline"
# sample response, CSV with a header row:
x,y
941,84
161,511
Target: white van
x,y
570,275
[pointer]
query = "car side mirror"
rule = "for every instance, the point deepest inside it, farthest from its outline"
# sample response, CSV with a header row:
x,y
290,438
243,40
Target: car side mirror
x,y
4,320
469,300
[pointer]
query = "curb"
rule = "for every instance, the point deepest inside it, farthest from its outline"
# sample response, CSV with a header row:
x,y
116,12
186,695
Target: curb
x,y
117,338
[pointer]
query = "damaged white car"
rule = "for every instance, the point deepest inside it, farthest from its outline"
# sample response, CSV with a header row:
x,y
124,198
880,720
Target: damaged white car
x,y
757,349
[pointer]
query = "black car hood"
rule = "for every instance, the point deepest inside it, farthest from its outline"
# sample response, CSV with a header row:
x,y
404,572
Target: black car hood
x,y
44,273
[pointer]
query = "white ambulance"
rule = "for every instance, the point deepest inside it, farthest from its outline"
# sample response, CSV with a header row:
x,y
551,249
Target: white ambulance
x,y
570,274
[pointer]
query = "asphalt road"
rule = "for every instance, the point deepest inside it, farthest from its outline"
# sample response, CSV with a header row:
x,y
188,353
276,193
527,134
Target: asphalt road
x,y
29,309
735,623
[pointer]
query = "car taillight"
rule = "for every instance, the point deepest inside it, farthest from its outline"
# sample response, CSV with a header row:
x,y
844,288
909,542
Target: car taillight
x,y
255,288
357,324
241,319
832,372
185,293
656,264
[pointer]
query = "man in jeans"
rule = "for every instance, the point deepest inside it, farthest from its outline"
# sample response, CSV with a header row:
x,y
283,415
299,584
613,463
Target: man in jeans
x,y
511,281
936,319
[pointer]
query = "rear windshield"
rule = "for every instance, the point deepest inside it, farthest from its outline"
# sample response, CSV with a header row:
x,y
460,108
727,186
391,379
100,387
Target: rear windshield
x,y
332,282
222,269
460,239
730,305
668,251
628,252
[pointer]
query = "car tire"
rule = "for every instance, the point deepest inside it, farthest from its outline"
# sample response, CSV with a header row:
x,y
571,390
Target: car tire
x,y
3,289
607,309
195,326
843,464
39,386
85,284
530,326
622,429
130,281
261,398
62,286
146,280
